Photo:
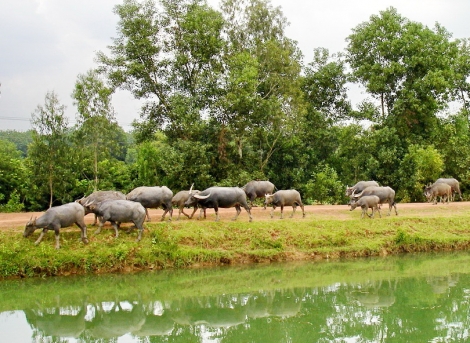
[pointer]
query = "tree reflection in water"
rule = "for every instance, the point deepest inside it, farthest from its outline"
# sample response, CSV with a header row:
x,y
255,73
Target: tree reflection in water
x,y
430,307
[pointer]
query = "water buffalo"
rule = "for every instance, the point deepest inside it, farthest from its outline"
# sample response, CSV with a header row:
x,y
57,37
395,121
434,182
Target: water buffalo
x,y
179,200
366,202
258,189
283,198
97,197
438,189
453,183
120,211
359,187
223,197
385,194
56,218
153,197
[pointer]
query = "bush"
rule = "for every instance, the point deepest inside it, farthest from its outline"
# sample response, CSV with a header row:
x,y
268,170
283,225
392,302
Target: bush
x,y
13,205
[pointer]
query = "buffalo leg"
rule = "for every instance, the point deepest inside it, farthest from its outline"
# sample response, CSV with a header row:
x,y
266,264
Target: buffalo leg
x,y
216,209
57,241
194,211
239,209
100,225
364,211
82,227
115,226
147,214
294,207
249,212
200,213
40,236
282,211
167,210
376,208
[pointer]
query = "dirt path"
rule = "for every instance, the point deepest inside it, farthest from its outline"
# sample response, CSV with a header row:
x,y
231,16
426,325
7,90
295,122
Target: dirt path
x,y
17,221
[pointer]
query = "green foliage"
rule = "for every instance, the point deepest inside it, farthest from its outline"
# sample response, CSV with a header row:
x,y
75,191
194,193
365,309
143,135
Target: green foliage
x,y
407,67
19,138
324,187
228,99
50,154
14,204
13,176
421,165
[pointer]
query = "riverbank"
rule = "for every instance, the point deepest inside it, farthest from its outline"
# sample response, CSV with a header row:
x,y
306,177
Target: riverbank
x,y
327,232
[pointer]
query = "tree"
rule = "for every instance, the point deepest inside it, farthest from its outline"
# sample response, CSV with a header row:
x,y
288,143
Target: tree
x,y
420,166
97,128
261,100
50,152
169,56
19,138
13,174
407,67
462,73
324,86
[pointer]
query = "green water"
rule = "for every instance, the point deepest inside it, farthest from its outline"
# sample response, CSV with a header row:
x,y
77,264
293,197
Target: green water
x,y
419,298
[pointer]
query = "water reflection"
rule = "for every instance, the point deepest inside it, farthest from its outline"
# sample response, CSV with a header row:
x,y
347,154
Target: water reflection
x,y
417,299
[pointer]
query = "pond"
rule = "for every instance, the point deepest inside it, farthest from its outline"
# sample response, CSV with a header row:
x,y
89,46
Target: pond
x,y
412,298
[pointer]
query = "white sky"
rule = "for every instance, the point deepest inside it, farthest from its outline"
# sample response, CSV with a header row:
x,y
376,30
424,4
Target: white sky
x,y
45,44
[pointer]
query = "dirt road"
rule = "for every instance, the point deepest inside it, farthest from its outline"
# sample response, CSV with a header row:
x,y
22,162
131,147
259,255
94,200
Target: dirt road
x,y
17,221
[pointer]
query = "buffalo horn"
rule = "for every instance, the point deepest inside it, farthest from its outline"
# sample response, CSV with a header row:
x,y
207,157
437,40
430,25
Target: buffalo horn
x,y
191,189
202,197
357,195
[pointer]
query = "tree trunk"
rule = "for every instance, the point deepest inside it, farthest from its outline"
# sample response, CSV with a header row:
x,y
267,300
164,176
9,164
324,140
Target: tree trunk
x,y
50,190
383,105
95,187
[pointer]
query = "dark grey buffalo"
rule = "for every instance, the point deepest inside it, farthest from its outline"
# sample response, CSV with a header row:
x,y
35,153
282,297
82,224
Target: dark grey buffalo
x,y
453,183
385,194
220,197
359,187
56,218
442,190
289,197
258,189
366,202
98,197
120,211
153,197
180,199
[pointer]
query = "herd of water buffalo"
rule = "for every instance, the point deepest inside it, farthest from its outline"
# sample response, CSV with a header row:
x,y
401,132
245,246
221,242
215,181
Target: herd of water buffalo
x,y
116,207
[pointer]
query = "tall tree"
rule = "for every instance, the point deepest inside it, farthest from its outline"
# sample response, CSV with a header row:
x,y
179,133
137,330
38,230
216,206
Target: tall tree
x,y
168,55
97,127
406,66
261,99
50,151
324,86
462,74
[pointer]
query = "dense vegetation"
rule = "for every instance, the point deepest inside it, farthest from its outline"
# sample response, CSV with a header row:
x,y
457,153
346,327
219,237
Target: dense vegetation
x,y
228,98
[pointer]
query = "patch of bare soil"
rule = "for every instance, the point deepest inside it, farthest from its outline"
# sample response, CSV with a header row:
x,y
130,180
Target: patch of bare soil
x,y
17,221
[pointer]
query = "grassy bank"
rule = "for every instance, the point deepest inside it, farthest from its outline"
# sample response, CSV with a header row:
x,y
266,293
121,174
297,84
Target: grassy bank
x,y
192,243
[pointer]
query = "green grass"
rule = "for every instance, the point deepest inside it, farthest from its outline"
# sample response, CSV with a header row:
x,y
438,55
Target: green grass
x,y
193,243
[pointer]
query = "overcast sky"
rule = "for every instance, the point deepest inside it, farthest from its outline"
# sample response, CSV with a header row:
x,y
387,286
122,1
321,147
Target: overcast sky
x,y
45,44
